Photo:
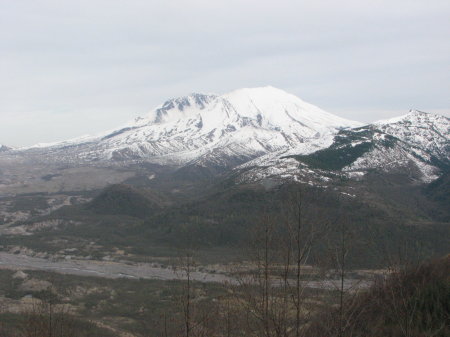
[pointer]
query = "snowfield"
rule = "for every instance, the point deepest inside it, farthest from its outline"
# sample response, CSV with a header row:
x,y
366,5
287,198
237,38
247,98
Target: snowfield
x,y
258,131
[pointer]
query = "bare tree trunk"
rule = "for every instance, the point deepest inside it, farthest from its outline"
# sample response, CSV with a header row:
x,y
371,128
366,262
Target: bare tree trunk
x,y
299,264
188,296
266,278
165,325
342,279
286,286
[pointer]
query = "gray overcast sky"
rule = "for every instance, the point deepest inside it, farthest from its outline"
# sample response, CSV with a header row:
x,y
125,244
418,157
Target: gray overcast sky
x,y
70,68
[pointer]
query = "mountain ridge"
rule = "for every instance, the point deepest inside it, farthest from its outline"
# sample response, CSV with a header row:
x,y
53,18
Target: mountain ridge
x,y
261,133
244,124
416,144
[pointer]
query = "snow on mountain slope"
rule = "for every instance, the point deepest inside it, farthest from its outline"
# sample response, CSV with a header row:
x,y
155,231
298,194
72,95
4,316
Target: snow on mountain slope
x,y
427,131
416,145
390,154
222,130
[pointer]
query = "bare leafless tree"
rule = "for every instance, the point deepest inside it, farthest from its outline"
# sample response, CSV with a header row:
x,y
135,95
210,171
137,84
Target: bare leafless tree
x,y
274,294
46,319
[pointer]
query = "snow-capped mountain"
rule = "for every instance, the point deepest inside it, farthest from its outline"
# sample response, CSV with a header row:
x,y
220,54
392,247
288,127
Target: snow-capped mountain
x,y
426,131
265,133
211,129
417,145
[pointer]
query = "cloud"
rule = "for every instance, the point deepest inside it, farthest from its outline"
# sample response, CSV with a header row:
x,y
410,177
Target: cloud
x,y
76,67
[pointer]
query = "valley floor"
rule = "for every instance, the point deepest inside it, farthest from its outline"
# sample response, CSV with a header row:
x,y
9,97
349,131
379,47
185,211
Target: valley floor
x,y
156,271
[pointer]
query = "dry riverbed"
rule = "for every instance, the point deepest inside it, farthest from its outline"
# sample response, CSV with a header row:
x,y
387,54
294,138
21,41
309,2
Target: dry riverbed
x,y
155,271
106,269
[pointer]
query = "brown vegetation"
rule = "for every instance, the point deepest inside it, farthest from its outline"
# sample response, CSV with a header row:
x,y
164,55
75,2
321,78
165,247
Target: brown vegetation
x,y
410,302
